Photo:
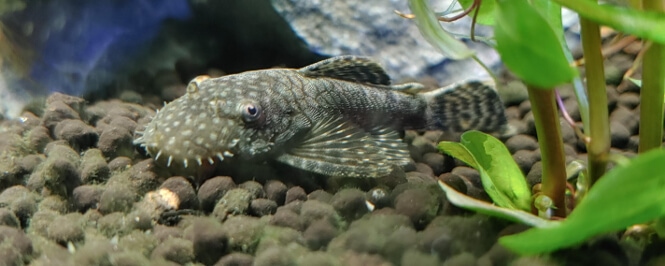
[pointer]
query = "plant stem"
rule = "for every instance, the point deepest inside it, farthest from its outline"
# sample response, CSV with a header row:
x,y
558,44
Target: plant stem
x,y
550,141
653,88
599,131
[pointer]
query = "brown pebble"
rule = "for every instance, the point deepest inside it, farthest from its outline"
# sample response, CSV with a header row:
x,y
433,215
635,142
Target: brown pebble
x,y
350,203
120,163
255,188
524,159
116,141
236,259
320,195
295,193
521,142
286,218
319,234
77,133
212,190
87,197
183,189
629,100
261,207
276,191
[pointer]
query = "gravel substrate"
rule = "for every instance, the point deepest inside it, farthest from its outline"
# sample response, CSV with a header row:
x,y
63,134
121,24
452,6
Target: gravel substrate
x,y
76,191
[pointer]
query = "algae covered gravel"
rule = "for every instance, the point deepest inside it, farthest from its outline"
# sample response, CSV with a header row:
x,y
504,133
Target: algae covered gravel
x,y
76,191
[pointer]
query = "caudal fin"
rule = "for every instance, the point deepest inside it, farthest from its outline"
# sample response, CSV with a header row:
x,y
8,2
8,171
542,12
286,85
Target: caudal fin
x,y
465,106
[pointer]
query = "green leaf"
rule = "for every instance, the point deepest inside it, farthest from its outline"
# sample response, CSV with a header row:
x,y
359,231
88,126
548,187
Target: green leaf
x,y
486,12
479,206
501,177
645,24
528,46
433,32
625,196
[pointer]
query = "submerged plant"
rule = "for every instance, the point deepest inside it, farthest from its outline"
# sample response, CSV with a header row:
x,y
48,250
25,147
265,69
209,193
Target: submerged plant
x,y
529,39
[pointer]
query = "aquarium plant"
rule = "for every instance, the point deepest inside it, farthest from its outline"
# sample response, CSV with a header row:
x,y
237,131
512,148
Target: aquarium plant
x,y
529,37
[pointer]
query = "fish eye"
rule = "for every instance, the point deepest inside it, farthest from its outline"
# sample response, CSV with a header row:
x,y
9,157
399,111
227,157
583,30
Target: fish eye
x,y
251,112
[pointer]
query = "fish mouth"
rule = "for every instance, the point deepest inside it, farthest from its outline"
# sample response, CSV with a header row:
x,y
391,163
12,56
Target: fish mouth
x,y
189,151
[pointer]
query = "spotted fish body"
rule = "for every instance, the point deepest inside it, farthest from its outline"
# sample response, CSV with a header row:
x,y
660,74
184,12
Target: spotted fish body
x,y
337,117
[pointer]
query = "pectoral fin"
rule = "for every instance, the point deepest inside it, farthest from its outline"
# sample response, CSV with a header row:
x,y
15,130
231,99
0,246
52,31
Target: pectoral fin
x,y
339,148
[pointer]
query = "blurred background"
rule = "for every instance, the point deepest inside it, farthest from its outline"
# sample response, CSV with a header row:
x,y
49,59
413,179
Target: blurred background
x,y
145,50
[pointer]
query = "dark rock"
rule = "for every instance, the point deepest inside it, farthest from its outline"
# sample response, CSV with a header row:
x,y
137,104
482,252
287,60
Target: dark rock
x,y
423,169
438,162
633,143
236,259
30,162
461,259
401,240
57,111
287,218
77,133
513,93
626,117
319,234
320,195
619,134
513,113
379,196
420,178
117,198
178,250
629,100
313,210
419,204
470,174
139,220
54,203
67,228
8,218
276,191
420,146
144,176
129,258
16,248
518,126
183,189
113,224
138,241
243,232
295,193
349,203
210,242
524,159
37,138
449,235
21,201
212,190
58,174
261,207
368,234
254,188
116,141
567,133
415,257
535,174
40,222
93,168
497,255
235,201
572,108
120,163
11,173
521,142
277,236
162,232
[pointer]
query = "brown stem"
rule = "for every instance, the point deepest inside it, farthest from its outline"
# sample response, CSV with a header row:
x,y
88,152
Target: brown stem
x,y
550,141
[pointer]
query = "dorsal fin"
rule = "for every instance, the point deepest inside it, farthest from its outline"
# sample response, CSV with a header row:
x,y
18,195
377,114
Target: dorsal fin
x,y
349,68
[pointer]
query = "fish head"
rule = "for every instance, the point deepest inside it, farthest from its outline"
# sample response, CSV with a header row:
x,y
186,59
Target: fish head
x,y
217,118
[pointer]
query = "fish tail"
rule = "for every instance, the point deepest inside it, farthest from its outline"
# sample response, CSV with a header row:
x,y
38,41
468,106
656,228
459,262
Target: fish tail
x,y
465,106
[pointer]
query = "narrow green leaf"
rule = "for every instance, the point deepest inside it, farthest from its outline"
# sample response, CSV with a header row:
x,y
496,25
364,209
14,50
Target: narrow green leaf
x,y
528,45
645,24
433,32
625,196
486,12
501,177
464,201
